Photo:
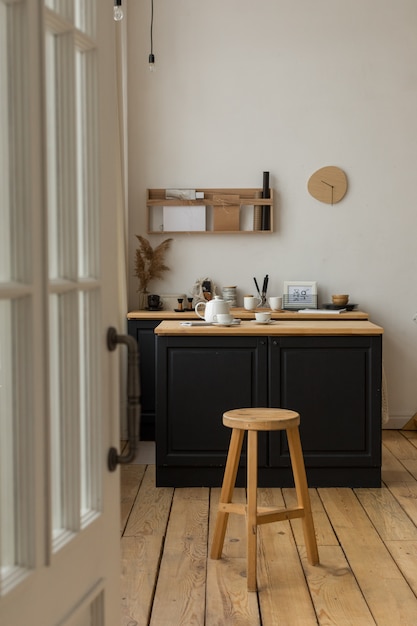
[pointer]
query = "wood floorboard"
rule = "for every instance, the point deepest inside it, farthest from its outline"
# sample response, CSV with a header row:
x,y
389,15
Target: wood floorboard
x,y
367,540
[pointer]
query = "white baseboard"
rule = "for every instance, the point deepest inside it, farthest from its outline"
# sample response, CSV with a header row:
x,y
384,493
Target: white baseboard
x,y
396,422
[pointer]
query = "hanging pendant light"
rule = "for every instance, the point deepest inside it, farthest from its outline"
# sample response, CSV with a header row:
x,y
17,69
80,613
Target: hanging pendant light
x,y
151,59
118,15
117,10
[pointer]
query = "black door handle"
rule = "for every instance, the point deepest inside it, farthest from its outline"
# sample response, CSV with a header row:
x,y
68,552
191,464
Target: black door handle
x,y
133,397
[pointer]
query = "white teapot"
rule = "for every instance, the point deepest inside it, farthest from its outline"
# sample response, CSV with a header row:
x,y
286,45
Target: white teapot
x,y
212,308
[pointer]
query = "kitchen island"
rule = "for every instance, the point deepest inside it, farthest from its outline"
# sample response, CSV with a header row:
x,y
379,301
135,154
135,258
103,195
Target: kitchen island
x,y
141,326
326,369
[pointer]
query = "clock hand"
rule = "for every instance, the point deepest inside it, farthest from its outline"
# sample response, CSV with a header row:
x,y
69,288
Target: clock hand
x,y
329,185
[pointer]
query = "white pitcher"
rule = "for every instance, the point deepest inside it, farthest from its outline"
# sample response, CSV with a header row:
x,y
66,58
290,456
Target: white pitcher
x,y
212,308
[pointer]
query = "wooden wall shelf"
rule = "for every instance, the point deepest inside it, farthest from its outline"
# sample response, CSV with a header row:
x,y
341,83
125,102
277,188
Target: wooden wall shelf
x,y
220,211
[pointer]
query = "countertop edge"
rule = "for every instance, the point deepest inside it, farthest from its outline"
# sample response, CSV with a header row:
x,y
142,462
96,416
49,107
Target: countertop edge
x,y
282,328
242,313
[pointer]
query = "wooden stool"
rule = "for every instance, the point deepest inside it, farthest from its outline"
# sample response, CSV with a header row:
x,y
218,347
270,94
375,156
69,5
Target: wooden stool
x,y
254,420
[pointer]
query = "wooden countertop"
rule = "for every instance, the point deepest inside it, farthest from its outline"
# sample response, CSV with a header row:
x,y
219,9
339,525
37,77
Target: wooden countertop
x,y
243,314
276,328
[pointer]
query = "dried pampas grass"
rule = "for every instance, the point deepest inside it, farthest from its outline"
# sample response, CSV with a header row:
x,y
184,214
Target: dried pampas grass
x,y
149,262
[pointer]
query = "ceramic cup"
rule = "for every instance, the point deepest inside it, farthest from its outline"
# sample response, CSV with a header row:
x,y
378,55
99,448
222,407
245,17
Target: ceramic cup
x,y
224,318
275,302
154,301
250,302
262,316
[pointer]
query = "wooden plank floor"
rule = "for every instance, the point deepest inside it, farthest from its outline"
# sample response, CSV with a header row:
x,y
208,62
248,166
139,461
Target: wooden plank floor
x,y
367,542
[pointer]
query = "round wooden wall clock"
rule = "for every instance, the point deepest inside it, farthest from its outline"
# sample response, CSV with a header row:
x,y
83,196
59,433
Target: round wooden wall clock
x,y
328,184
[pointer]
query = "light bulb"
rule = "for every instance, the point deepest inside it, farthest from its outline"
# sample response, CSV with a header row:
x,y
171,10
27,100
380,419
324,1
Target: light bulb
x,y
152,63
117,11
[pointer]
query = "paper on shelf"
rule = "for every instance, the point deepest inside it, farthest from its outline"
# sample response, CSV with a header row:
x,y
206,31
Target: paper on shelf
x,y
332,311
180,194
196,324
184,218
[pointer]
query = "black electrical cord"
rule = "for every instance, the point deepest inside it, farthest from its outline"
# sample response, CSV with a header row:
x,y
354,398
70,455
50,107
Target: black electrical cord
x,y
151,56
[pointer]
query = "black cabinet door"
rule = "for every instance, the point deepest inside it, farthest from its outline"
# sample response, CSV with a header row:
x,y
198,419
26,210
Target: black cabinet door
x,y
197,380
335,385
143,332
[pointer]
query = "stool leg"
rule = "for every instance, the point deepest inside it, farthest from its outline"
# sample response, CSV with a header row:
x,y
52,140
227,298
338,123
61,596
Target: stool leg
x,y
303,497
229,480
251,516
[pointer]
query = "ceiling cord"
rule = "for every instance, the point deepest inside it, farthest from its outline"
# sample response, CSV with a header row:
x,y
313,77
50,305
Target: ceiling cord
x,y
151,56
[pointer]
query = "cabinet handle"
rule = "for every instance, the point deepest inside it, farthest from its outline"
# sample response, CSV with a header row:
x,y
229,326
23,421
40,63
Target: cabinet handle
x,y
133,397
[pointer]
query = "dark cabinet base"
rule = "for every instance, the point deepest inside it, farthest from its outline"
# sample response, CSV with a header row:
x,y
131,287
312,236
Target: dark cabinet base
x,y
143,332
334,382
269,477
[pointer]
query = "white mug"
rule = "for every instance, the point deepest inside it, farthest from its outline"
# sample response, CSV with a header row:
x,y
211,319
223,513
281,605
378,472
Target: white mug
x,y
263,316
250,302
275,303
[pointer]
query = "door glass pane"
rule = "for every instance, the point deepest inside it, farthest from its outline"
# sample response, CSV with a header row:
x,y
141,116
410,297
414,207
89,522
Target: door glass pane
x,y
7,473
5,270
65,405
72,158
63,8
16,430
61,156
87,176
85,16
16,310
14,213
75,346
76,432
90,405
51,138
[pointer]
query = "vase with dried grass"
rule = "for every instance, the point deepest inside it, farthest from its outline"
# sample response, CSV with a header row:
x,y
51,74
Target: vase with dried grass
x,y
149,264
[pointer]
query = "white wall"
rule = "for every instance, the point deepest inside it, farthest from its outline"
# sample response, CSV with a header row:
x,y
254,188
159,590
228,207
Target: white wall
x,y
287,86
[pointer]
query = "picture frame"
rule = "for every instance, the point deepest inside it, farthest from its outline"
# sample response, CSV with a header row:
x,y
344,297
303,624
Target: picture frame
x,y
300,294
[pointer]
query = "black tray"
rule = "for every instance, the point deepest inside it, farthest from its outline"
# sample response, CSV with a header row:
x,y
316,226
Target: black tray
x,y
337,307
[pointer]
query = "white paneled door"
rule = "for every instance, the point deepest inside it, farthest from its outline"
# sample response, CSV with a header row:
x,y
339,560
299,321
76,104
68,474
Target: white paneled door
x,y
59,504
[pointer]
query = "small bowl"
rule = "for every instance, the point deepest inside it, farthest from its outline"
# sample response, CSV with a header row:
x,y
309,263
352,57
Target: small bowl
x,y
340,299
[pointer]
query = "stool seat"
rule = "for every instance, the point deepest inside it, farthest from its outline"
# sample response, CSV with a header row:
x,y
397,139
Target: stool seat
x,y
253,420
261,419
